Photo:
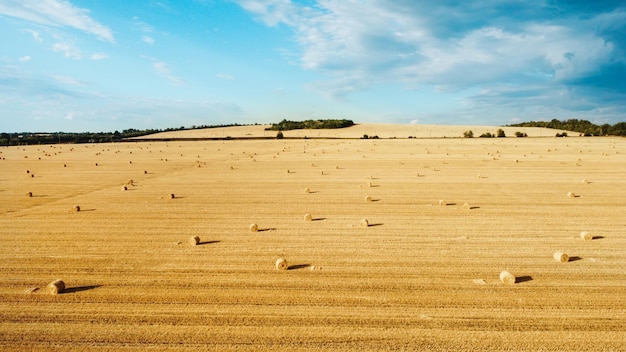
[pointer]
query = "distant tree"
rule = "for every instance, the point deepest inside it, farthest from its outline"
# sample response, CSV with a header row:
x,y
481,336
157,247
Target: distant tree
x,y
365,136
279,135
520,134
486,135
468,134
500,133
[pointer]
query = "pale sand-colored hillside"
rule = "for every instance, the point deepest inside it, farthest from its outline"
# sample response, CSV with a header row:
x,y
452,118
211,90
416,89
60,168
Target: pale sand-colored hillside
x,y
357,131
421,276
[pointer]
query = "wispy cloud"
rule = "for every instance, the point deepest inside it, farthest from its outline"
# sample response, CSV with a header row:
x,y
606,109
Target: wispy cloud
x,y
56,13
69,50
164,70
25,58
225,76
99,56
36,35
147,39
489,44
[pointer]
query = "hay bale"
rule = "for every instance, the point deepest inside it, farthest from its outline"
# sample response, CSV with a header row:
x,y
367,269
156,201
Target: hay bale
x,y
29,194
507,278
194,241
368,199
585,181
442,202
57,286
369,184
365,223
308,217
281,264
466,206
586,236
571,194
145,172
254,227
561,257
172,196
76,208
307,190
125,188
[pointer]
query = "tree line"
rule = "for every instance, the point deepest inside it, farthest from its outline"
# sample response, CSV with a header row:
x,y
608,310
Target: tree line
x,y
286,125
583,127
30,138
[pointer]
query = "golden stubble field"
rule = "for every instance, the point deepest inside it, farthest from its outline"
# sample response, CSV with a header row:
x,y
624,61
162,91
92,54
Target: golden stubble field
x,y
421,276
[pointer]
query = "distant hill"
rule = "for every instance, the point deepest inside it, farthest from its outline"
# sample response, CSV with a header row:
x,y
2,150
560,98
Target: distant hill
x,y
583,127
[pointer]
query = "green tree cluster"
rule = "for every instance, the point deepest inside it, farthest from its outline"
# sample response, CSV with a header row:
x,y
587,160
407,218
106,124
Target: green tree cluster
x,y
286,125
581,126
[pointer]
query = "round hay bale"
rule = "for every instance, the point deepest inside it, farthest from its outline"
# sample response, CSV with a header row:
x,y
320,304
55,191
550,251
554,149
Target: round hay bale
x,y
307,190
194,241
57,286
586,236
365,223
29,194
125,188
585,181
368,199
507,278
281,264
466,206
172,196
442,202
254,227
76,208
308,217
32,175
571,194
145,172
369,184
28,171
561,257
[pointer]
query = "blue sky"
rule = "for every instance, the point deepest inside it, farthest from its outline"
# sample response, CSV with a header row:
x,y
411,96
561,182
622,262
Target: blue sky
x,y
105,65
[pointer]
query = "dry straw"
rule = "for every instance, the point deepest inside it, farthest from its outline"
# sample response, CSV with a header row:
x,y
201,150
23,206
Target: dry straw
x,y
586,236
507,278
254,227
561,257
57,286
308,217
194,241
281,264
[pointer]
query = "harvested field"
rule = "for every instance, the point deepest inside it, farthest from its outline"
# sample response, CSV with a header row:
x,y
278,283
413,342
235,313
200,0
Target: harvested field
x,y
419,277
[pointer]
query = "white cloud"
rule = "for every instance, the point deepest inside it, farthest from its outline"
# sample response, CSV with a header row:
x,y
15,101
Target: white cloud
x,y
25,58
56,13
70,115
148,40
36,35
99,56
271,12
68,80
225,76
164,70
356,44
68,50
